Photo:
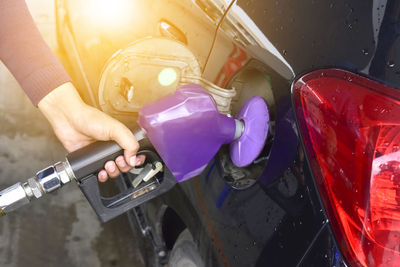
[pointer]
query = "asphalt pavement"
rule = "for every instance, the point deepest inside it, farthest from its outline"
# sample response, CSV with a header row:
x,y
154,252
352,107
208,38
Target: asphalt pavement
x,y
60,229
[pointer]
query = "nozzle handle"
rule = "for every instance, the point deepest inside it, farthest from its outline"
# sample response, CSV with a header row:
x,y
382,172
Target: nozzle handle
x,y
107,208
90,160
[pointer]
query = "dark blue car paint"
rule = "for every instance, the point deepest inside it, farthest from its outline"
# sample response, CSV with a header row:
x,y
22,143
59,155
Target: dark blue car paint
x,y
341,34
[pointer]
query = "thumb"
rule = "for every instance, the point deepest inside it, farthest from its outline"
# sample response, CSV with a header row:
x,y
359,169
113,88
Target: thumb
x,y
125,138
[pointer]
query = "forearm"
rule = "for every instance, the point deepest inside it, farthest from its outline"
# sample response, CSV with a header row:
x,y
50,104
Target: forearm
x,y
46,83
25,53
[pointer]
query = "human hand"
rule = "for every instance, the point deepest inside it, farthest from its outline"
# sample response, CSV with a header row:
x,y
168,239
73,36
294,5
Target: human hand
x,y
76,125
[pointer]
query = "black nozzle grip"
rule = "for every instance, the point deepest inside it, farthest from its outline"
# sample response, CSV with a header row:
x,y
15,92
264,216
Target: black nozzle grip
x,y
91,159
87,161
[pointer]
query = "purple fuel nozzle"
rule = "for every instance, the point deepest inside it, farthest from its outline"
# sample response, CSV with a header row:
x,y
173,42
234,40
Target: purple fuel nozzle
x,y
187,130
249,145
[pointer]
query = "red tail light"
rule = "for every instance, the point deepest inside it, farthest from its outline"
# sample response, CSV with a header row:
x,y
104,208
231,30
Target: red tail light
x,y
351,131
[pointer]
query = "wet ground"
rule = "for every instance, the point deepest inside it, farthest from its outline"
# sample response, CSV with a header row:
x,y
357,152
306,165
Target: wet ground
x,y
60,229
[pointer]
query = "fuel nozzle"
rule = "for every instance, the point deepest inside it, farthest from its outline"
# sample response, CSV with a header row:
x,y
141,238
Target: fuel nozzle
x,y
185,128
45,181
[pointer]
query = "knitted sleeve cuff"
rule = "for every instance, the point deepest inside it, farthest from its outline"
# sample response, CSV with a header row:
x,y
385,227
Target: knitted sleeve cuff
x,y
42,81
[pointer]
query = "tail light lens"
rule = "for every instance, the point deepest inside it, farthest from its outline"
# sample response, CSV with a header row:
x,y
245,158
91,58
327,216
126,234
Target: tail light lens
x,y
351,130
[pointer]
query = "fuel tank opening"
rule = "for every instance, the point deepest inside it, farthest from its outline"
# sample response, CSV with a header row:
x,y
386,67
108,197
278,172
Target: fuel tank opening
x,y
144,71
253,80
149,69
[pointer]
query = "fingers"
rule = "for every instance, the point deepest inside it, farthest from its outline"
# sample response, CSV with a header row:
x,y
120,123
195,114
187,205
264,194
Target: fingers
x,y
140,159
137,160
123,166
124,137
113,168
110,170
102,176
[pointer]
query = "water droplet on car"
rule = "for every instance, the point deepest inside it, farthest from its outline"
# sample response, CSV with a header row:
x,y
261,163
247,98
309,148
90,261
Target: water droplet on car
x,y
284,52
365,51
390,64
331,5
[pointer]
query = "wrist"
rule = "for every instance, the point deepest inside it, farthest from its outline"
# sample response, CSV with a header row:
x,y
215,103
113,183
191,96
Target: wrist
x,y
60,103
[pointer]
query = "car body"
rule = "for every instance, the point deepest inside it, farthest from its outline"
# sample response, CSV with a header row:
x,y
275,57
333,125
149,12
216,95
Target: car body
x,y
269,213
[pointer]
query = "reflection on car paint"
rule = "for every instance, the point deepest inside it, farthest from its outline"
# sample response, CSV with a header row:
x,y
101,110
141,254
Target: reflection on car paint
x,y
236,60
285,143
250,33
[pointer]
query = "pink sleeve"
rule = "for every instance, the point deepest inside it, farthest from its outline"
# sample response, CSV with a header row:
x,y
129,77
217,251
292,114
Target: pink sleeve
x,y
25,53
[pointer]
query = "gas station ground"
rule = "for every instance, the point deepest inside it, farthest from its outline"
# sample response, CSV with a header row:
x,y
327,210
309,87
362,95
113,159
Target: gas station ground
x,y
60,229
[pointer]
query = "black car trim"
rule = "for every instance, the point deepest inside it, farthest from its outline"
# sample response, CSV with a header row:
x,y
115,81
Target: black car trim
x,y
312,243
